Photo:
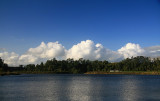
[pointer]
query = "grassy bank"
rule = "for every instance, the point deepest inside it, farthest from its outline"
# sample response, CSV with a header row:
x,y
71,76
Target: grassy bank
x,y
9,73
127,72
30,72
92,72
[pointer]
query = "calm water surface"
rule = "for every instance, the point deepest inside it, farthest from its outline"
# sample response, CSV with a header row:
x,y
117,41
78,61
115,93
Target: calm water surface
x,y
70,87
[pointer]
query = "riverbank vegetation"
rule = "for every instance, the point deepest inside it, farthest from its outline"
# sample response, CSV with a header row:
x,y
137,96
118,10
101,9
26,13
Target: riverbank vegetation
x,y
134,65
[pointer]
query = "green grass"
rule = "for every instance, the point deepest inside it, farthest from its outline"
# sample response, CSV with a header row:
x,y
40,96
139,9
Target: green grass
x,y
9,73
30,72
127,72
92,72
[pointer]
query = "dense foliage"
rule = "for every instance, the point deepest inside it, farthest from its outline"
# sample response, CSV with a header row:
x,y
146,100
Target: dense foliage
x,y
139,63
3,66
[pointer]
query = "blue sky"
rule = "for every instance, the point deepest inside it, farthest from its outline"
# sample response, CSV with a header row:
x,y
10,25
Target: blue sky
x,y
113,23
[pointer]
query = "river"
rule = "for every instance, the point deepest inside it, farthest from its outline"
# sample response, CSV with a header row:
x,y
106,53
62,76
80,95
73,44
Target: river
x,y
79,87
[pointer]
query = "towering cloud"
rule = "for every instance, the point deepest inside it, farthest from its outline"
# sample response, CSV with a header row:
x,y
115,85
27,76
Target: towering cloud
x,y
130,50
89,50
50,50
85,49
43,52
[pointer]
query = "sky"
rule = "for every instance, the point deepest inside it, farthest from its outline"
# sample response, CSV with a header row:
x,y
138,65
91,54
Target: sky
x,y
37,30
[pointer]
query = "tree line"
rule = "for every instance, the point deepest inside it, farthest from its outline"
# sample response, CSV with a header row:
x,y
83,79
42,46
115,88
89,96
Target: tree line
x,y
139,63
3,65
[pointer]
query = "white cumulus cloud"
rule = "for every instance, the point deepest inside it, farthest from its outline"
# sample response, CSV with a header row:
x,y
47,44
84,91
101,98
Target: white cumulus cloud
x,y
28,59
35,55
131,49
85,49
43,52
50,50
10,58
89,50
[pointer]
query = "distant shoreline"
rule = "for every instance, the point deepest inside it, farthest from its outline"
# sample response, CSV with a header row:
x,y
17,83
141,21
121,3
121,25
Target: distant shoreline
x,y
9,73
92,72
127,72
